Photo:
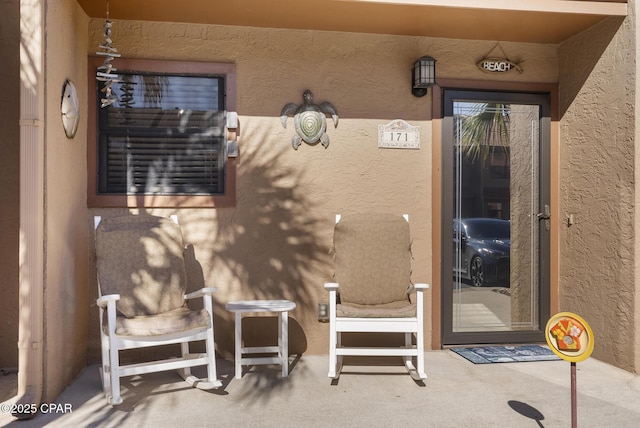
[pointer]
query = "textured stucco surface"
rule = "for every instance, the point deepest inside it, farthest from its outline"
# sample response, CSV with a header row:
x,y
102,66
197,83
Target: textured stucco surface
x,y
66,239
275,242
9,180
597,185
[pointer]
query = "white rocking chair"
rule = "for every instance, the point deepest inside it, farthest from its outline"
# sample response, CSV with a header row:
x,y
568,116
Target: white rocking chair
x,y
373,290
141,288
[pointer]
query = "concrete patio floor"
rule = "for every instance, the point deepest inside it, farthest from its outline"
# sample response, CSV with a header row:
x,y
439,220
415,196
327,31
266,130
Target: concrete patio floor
x,y
457,393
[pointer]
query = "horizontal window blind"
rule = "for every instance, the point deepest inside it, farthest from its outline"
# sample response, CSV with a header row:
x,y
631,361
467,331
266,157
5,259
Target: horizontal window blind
x,y
164,135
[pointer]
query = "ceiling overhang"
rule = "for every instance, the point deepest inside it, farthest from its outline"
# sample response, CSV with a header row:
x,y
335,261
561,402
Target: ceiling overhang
x,y
533,21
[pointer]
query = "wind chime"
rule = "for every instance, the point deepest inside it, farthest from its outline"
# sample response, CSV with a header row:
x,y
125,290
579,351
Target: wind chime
x,y
105,71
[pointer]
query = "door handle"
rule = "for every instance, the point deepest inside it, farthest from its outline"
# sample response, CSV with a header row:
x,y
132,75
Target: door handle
x,y
545,215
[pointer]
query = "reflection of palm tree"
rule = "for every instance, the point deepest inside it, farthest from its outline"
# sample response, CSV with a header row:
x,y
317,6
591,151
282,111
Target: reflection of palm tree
x,y
481,129
486,126
151,90
153,87
127,99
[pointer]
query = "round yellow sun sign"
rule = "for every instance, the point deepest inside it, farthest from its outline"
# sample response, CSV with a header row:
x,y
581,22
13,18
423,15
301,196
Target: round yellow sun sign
x,y
569,337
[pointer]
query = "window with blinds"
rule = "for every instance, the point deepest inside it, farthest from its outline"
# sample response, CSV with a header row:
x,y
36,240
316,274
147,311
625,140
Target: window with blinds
x,y
165,135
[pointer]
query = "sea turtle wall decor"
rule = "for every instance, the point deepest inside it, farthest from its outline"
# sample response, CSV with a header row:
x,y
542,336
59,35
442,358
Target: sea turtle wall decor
x,y
310,120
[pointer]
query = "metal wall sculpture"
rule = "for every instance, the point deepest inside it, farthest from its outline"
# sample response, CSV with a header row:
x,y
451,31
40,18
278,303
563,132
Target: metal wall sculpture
x,y
310,120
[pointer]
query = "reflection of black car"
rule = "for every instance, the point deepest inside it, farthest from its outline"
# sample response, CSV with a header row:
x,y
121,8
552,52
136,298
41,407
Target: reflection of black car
x,y
481,248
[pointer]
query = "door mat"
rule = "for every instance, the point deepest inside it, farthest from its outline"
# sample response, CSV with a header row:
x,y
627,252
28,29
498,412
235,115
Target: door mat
x,y
506,354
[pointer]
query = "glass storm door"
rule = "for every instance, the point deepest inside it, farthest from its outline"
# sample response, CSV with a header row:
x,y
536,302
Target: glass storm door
x,y
495,229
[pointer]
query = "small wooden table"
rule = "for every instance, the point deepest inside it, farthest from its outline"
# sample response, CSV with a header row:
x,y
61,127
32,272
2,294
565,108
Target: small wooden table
x,y
282,307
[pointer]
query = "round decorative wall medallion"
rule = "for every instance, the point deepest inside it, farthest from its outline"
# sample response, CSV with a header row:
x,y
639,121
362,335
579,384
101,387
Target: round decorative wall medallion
x,y
70,109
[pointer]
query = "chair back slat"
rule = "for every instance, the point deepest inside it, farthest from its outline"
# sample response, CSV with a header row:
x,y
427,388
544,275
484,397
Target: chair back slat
x,y
372,258
141,258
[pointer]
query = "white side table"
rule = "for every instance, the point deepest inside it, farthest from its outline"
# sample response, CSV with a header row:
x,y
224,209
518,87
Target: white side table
x,y
282,307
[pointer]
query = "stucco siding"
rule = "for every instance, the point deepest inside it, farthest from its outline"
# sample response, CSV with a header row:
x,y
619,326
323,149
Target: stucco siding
x,y
9,180
275,242
66,237
597,185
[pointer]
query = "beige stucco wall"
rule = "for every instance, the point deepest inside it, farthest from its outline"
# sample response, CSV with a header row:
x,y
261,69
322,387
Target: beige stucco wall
x,y
275,242
598,167
66,237
9,180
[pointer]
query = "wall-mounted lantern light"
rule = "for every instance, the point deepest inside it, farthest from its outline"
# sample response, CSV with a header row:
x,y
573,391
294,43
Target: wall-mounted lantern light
x,y
423,76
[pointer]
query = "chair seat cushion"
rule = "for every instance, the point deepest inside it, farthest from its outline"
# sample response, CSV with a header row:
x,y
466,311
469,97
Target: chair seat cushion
x,y
402,309
174,321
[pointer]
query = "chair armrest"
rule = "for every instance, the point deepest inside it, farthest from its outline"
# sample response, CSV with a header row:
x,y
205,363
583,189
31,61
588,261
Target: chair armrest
x,y
207,291
103,301
331,286
108,303
419,286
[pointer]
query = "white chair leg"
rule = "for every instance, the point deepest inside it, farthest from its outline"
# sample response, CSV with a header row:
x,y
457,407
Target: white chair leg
x,y
332,360
421,372
105,368
104,348
113,355
420,333
339,357
333,336
211,382
408,345
211,365
212,377
283,342
420,349
212,373
186,371
238,345
114,373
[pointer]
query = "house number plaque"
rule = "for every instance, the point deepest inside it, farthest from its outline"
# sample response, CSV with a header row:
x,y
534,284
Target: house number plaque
x,y
398,134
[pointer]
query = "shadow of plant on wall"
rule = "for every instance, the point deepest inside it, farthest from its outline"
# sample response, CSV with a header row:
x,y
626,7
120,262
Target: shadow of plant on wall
x,y
266,247
269,243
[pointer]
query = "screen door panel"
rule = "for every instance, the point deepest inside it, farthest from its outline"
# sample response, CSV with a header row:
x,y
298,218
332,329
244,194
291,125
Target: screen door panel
x,y
496,218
